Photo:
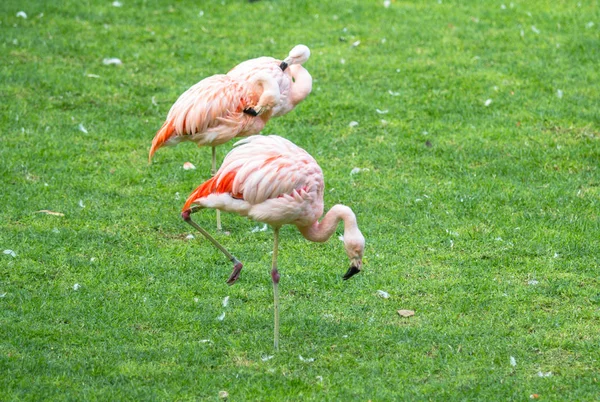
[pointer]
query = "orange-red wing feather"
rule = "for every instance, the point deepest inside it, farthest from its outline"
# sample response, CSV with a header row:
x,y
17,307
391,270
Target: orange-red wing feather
x,y
163,135
215,185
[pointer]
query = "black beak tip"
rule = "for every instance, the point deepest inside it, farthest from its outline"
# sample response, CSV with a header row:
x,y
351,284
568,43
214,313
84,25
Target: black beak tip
x,y
351,272
251,112
283,66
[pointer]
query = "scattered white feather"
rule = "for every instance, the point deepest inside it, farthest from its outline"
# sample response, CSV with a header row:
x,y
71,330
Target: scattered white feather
x,y
55,230
48,212
307,360
82,128
189,166
154,101
225,301
205,341
342,61
535,30
393,93
21,14
358,170
522,33
196,300
201,13
387,3
488,102
264,358
503,7
382,111
190,237
320,378
355,44
112,61
559,93
383,294
546,374
383,122
341,237
383,40
3,294
353,124
177,196
117,4
76,286
589,25
221,317
92,76
556,255
93,259
81,204
257,229
513,361
11,253
532,282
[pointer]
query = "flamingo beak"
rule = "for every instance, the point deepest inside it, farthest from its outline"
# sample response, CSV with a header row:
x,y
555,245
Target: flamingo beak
x,y
283,65
353,270
251,112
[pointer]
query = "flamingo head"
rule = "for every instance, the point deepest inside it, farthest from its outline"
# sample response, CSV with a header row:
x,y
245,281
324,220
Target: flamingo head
x,y
354,244
298,55
270,93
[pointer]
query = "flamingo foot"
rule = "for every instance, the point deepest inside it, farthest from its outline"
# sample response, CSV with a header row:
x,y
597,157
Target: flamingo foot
x,y
235,274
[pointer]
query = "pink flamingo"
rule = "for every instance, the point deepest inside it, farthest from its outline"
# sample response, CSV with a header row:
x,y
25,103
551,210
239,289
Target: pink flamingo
x,y
271,180
217,109
295,83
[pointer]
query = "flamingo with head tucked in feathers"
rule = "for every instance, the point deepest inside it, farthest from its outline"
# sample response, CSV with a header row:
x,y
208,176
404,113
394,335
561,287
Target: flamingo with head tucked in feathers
x,y
271,180
295,83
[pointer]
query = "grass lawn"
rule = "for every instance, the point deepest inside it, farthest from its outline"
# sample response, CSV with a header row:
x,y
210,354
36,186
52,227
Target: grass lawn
x,y
478,144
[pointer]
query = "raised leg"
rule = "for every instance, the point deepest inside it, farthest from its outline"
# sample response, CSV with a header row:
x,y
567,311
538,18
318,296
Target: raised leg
x,y
237,265
213,171
275,277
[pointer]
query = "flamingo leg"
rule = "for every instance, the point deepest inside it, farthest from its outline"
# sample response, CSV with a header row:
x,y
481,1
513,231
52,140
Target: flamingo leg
x,y
213,171
237,265
275,277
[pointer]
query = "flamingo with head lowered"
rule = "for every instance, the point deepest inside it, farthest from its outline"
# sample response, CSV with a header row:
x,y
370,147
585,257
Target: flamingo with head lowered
x,y
270,179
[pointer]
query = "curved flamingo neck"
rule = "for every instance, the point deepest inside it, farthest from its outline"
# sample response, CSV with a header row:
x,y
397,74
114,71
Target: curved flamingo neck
x,y
322,231
302,85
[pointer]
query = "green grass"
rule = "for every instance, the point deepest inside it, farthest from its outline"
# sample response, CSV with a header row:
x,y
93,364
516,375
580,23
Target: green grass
x,y
463,207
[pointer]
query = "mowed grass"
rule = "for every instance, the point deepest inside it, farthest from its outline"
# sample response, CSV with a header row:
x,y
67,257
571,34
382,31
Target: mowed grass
x,y
484,220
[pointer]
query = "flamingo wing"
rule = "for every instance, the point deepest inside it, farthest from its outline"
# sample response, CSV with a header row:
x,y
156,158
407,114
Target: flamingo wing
x,y
263,168
210,112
